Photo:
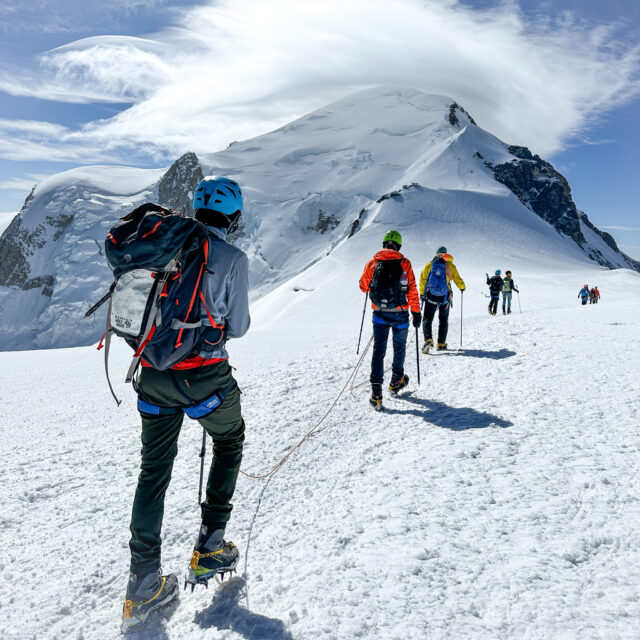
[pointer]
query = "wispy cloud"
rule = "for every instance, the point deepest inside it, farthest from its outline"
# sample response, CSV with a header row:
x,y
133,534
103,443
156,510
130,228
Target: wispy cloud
x,y
37,140
236,68
21,184
619,228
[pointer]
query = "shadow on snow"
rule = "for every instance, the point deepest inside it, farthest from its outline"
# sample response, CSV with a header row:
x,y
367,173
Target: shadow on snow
x,y
225,613
155,629
442,415
479,353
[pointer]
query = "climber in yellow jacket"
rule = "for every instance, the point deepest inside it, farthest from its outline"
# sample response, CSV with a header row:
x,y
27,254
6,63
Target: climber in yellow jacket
x,y
435,291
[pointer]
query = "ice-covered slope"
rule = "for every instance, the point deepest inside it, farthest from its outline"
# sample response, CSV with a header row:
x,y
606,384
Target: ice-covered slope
x,y
311,189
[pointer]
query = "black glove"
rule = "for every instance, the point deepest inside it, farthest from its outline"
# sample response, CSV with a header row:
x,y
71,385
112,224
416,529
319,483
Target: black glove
x,y
417,318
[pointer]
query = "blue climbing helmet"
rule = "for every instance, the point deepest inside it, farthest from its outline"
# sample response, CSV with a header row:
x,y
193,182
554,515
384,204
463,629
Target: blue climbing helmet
x,y
218,193
498,272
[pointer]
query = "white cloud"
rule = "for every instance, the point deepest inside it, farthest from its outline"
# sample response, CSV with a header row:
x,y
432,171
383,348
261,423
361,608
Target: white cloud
x,y
36,140
619,228
21,184
237,68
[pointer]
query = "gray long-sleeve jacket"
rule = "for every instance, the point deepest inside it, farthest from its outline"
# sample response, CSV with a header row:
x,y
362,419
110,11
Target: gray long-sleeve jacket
x,y
226,292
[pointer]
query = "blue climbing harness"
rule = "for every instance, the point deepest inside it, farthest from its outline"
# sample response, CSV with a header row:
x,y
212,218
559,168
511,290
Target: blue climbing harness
x,y
194,411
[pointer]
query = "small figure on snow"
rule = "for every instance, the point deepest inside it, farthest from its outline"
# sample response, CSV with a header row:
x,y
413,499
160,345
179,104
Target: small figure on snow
x,y
435,290
201,381
508,287
595,294
584,294
389,280
495,287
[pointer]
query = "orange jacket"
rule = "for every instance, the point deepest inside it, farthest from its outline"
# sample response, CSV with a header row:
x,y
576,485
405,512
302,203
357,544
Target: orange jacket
x,y
389,254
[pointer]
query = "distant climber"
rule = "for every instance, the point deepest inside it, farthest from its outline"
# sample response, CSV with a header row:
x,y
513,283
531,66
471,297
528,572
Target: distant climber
x,y
508,287
594,295
435,290
584,294
495,287
389,279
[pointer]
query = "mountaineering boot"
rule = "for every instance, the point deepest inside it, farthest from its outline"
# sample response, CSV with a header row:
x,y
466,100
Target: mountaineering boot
x,y
211,556
427,346
504,313
509,311
442,346
146,593
394,387
376,397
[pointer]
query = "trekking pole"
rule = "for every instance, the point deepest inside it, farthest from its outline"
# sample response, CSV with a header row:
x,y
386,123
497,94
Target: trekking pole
x,y
203,452
417,356
461,303
366,296
519,307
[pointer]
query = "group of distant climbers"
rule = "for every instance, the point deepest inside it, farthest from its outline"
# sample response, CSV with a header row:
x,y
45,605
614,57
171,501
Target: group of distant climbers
x,y
590,296
389,282
498,285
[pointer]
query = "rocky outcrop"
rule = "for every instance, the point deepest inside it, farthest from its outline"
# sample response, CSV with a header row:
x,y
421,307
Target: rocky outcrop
x,y
454,121
176,187
18,243
325,222
547,193
542,189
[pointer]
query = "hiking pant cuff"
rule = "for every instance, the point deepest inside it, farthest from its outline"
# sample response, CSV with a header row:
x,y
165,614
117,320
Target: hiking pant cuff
x,y
144,569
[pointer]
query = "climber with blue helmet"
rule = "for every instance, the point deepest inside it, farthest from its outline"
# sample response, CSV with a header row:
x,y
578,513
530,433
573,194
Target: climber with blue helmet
x,y
203,381
495,287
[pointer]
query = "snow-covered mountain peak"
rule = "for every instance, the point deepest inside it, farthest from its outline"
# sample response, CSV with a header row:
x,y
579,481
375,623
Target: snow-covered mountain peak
x,y
316,190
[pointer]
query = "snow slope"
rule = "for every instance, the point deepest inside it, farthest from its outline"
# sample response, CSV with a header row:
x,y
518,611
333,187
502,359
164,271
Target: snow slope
x,y
311,191
5,220
500,499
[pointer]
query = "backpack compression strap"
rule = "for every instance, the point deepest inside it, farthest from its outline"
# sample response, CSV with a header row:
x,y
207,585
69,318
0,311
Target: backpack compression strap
x,y
106,342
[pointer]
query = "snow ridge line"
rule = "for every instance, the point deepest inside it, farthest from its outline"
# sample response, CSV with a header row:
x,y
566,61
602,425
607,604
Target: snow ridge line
x,y
316,426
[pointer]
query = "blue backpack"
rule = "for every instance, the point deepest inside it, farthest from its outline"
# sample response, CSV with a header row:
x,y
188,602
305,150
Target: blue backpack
x,y
437,283
159,259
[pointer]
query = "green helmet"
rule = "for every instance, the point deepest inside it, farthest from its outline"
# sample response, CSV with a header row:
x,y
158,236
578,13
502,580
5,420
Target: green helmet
x,y
442,250
392,236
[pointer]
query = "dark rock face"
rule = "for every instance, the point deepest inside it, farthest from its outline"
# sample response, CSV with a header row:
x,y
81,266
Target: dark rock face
x,y
19,243
175,189
326,222
453,117
542,189
547,193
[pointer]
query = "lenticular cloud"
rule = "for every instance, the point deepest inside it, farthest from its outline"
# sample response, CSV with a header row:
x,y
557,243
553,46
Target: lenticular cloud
x,y
237,68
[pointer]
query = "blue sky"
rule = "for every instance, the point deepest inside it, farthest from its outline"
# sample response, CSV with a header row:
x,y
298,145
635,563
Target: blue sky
x,y
140,81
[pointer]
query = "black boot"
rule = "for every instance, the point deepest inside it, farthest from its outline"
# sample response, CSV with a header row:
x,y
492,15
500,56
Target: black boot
x,y
394,387
146,593
212,555
376,397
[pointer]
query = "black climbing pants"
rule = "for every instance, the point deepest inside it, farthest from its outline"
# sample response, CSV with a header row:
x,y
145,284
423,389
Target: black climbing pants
x,y
160,446
431,304
493,304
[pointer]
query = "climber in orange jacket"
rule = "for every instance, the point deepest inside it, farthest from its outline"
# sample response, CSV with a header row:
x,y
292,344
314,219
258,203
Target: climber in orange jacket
x,y
389,280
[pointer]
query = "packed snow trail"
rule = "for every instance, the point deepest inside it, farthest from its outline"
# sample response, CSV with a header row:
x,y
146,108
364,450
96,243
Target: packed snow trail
x,y
500,499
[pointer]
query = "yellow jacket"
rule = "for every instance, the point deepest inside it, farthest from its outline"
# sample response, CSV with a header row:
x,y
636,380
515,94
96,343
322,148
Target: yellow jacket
x,y
450,270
